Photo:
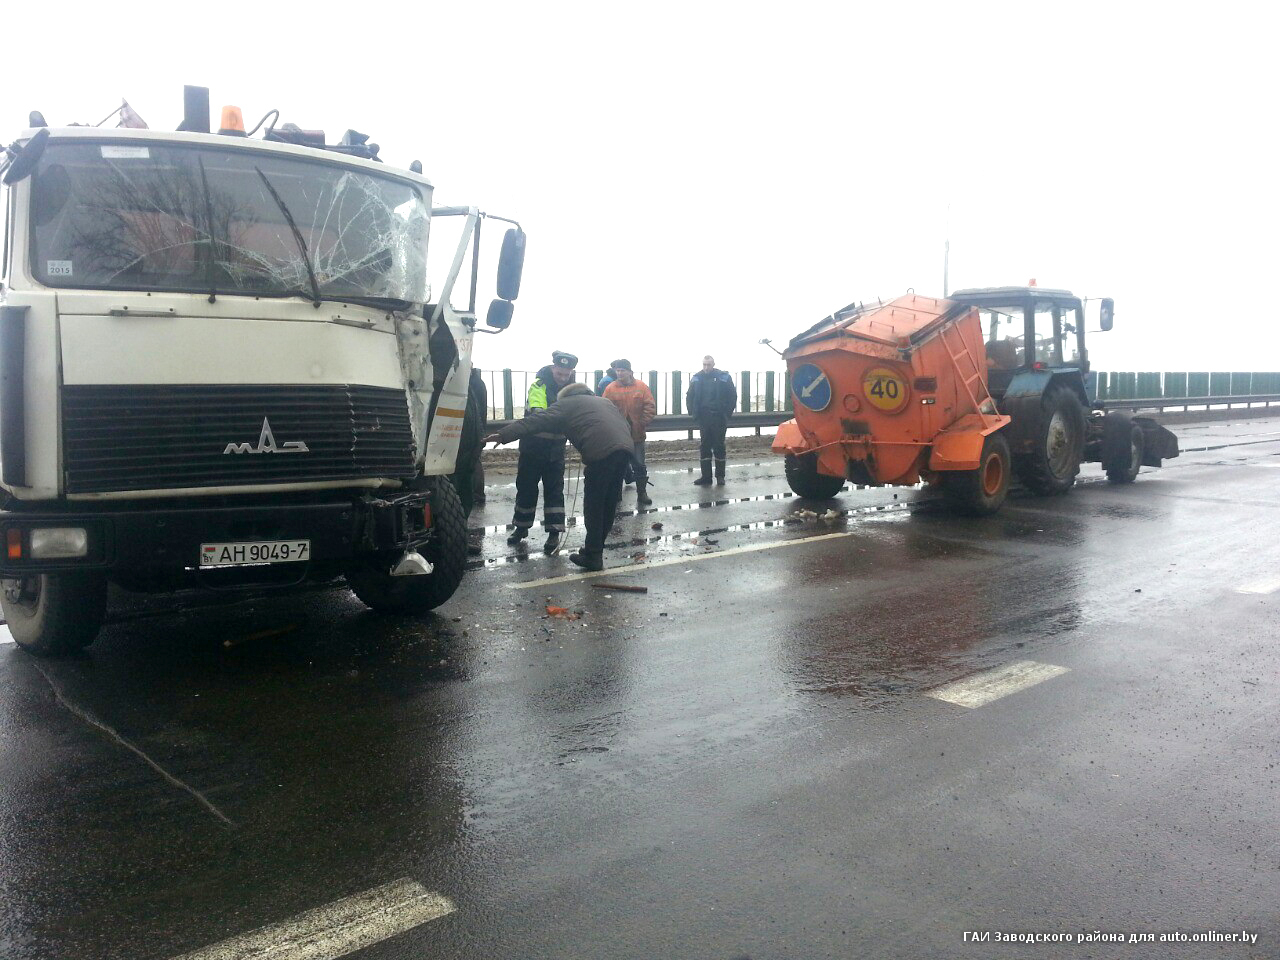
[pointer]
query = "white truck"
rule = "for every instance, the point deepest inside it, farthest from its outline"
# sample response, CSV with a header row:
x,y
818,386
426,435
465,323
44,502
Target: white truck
x,y
222,366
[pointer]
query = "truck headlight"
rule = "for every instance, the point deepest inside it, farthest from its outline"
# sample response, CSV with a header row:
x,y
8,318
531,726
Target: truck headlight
x,y
51,543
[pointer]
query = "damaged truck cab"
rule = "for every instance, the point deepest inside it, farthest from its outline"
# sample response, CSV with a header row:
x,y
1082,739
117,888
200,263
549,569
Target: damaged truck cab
x,y
222,366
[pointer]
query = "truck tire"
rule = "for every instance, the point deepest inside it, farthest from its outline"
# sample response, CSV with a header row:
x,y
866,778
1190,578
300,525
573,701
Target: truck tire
x,y
981,492
447,552
803,477
1122,446
1051,468
55,614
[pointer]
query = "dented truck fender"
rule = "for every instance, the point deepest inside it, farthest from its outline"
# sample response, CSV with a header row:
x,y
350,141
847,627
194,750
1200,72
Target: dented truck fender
x,y
959,447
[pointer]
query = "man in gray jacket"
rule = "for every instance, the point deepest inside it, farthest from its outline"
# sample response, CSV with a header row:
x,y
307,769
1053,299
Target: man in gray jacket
x,y
602,437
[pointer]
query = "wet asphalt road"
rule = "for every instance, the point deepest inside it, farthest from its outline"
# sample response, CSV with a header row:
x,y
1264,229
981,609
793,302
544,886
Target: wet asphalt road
x,y
744,762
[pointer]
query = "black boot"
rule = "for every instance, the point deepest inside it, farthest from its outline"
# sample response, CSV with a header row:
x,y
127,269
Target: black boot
x,y
642,493
552,546
720,473
518,534
705,479
588,561
475,543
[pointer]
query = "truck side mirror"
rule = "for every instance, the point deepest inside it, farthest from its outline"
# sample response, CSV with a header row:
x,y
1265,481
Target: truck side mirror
x,y
1107,313
499,316
23,160
510,266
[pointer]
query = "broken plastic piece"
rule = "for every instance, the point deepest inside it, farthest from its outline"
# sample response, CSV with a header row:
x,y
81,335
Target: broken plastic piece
x,y
412,564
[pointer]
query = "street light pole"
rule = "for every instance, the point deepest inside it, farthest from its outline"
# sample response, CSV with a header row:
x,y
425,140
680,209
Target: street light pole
x,y
946,256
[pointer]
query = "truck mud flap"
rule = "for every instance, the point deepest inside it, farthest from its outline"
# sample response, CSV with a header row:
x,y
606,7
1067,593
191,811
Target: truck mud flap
x,y
1158,444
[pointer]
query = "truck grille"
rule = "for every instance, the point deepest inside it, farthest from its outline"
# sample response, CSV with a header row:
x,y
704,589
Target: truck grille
x,y
161,437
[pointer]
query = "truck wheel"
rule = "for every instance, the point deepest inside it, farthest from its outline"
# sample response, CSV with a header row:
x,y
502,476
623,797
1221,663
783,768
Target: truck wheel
x,y
371,581
981,492
55,614
1051,468
1123,443
803,477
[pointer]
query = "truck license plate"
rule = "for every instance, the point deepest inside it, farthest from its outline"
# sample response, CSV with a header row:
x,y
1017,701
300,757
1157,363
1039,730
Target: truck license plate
x,y
253,552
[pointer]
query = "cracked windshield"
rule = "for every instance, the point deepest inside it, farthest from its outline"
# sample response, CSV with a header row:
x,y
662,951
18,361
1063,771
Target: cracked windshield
x,y
150,217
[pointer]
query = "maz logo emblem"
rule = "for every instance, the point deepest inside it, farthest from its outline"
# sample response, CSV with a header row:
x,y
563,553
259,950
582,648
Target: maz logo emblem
x,y
267,444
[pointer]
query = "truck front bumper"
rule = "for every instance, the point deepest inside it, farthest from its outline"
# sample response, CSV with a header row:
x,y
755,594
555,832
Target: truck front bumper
x,y
157,546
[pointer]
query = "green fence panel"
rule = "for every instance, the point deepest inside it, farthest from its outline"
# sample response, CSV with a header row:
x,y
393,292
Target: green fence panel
x,y
1175,385
768,391
786,391
1124,385
1100,386
653,388
1197,384
1240,384
744,403
677,394
1219,384
508,410
1148,385
596,377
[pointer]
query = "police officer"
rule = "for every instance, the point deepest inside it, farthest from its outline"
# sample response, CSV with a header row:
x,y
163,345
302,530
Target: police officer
x,y
542,458
711,400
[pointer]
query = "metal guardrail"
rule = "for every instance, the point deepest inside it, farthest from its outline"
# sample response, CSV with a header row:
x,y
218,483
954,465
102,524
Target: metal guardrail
x,y
1167,403
769,392
762,420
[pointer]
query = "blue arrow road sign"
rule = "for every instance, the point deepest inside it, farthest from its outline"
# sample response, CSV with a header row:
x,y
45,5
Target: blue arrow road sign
x,y
811,386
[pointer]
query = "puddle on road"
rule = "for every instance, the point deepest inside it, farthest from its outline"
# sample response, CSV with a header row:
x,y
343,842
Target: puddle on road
x,y
888,511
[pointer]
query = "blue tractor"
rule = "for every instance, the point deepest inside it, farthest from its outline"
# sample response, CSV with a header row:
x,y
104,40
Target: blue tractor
x,y
1038,373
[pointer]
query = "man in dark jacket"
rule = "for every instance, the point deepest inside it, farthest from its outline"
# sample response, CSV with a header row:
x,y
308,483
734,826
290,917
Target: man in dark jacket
x,y
603,437
711,400
602,385
542,458
470,447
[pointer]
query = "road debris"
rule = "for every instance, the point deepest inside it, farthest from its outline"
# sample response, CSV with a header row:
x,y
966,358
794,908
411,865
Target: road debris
x,y
655,526
562,613
625,588
261,635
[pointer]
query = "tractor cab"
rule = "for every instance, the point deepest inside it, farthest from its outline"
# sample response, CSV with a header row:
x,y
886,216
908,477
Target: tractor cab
x,y
1033,335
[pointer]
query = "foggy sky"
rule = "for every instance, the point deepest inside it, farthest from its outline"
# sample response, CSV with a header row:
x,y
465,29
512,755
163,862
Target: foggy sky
x,y
694,177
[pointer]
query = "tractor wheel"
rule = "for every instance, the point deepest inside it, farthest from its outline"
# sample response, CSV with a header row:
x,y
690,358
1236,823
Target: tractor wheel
x,y
55,614
372,582
803,477
1122,445
981,492
1052,466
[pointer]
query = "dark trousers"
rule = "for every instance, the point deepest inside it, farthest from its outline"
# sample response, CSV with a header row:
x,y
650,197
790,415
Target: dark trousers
x,y
464,482
711,428
534,468
602,489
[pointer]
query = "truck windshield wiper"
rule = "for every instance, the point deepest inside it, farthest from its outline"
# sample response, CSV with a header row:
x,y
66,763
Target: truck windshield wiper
x,y
212,246
385,303
297,236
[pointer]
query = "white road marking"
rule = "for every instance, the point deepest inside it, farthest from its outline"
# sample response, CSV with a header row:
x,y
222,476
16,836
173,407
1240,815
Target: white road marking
x,y
671,561
336,929
1270,585
5,635
982,688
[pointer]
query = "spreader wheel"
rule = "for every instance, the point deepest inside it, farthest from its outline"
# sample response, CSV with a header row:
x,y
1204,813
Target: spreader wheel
x,y
982,491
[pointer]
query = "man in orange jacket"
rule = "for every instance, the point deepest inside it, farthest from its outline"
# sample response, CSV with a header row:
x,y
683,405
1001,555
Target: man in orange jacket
x,y
636,403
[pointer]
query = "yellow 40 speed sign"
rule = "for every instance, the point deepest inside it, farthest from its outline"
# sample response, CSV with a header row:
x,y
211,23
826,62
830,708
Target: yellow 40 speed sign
x,y
885,389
